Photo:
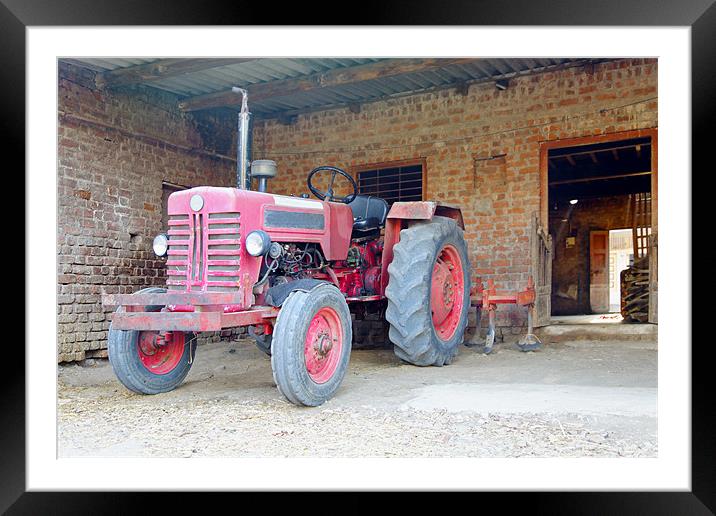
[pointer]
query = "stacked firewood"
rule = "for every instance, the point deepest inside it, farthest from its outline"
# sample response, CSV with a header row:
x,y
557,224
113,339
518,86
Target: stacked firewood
x,y
635,291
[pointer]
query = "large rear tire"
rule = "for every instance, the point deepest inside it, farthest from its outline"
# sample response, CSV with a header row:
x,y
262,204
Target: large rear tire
x,y
428,292
311,345
145,367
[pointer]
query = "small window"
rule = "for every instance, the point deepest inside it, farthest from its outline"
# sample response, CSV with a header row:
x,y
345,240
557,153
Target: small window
x,y
400,181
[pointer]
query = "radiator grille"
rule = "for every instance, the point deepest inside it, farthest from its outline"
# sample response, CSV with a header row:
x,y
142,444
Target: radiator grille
x,y
178,253
223,247
204,252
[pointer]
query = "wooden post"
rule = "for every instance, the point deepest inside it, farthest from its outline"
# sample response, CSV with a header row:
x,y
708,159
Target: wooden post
x,y
653,279
541,271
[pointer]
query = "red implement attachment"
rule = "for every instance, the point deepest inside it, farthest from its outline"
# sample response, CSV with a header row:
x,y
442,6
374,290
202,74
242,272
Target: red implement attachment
x,y
487,299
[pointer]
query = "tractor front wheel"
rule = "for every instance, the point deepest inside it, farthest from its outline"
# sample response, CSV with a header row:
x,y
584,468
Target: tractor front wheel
x,y
150,362
311,345
428,292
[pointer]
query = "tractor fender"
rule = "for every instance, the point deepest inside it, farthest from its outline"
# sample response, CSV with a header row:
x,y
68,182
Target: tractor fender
x,y
276,295
425,210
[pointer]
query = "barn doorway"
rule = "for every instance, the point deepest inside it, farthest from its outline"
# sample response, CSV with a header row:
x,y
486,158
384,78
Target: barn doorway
x,y
600,211
621,257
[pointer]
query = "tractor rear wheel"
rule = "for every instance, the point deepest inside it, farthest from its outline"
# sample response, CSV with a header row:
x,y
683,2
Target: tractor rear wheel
x,y
147,362
311,345
428,292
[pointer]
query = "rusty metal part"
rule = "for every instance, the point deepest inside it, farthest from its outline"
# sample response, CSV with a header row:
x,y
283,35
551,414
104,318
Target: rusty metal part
x,y
425,210
375,297
419,210
529,342
490,337
392,237
173,298
332,274
191,321
491,296
488,299
243,148
527,296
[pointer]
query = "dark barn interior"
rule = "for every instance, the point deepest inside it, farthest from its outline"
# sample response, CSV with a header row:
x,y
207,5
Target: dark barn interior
x,y
593,187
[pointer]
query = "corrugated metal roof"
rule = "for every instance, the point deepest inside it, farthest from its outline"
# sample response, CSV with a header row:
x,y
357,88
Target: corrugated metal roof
x,y
104,64
245,74
272,69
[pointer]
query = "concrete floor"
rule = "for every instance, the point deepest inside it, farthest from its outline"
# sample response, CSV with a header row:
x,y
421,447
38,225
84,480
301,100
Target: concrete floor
x,y
570,399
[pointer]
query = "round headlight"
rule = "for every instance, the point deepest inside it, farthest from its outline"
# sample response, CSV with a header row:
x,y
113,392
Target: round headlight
x,y
160,244
196,202
257,243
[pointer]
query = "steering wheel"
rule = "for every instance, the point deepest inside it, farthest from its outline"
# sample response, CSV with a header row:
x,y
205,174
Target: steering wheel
x,y
329,195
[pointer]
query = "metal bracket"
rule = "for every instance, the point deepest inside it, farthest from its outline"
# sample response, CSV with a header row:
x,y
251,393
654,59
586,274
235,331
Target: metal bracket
x,y
529,342
488,299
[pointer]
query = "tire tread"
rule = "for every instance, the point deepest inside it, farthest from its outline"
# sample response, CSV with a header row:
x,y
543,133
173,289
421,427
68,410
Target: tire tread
x,y
408,292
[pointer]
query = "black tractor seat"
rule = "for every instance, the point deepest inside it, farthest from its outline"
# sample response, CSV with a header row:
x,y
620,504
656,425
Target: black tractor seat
x,y
369,214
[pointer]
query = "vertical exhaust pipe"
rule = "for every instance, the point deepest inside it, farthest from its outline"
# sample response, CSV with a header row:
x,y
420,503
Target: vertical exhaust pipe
x,y
243,148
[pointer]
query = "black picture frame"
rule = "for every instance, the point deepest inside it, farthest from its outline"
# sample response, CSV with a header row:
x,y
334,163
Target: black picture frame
x,y
700,15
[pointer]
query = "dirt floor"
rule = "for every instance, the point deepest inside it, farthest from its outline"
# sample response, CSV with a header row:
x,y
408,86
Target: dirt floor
x,y
594,399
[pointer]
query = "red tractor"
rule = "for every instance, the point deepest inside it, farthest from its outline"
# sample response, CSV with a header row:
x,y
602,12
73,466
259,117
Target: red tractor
x,y
292,270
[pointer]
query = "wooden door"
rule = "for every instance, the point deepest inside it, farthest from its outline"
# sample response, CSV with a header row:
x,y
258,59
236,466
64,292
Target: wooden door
x,y
541,271
599,271
653,279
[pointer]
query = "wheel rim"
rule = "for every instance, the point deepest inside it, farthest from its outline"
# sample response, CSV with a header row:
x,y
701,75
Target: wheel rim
x,y
160,356
323,346
446,292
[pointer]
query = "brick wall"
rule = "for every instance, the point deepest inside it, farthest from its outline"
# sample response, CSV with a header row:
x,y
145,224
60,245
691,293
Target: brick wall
x,y
459,134
114,151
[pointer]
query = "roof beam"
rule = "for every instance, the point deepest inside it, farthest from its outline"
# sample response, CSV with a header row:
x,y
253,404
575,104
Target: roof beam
x,y
161,69
598,178
335,77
